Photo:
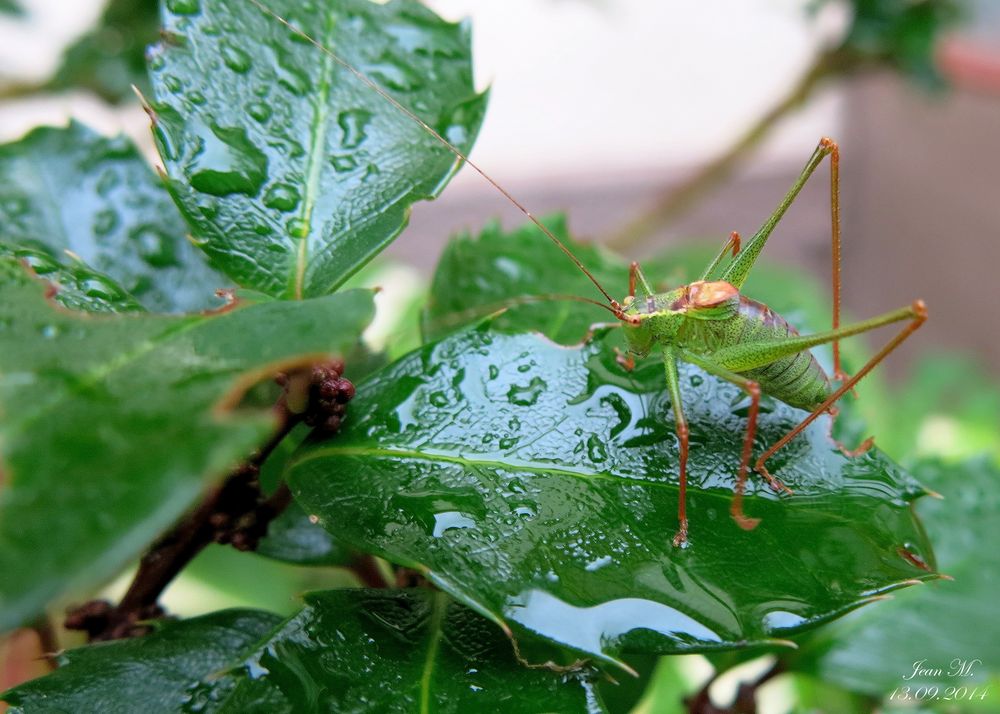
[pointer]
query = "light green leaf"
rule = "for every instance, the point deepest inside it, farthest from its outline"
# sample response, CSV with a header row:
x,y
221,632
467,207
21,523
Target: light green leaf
x,y
293,172
110,426
74,190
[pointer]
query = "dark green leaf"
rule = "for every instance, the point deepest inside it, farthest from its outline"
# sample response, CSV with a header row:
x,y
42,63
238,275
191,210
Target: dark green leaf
x,y
72,189
476,276
292,171
396,651
538,484
75,286
293,538
111,58
152,674
112,425
872,651
346,651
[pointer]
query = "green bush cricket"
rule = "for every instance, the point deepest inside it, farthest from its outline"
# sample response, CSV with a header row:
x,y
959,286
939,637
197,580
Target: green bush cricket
x,y
710,324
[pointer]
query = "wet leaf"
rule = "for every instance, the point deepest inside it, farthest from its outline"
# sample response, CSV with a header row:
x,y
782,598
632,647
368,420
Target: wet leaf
x,y
74,285
938,626
292,172
347,650
112,425
154,673
74,190
293,538
492,271
397,651
538,484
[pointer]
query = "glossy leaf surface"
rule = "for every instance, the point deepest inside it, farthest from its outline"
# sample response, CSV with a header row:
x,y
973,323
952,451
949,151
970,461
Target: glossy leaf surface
x,y
112,425
936,627
397,651
72,189
347,650
538,484
293,538
479,275
75,285
154,674
292,171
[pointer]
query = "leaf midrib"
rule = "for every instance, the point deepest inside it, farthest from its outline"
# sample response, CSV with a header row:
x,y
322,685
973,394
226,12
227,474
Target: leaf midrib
x,y
102,371
440,603
532,467
317,151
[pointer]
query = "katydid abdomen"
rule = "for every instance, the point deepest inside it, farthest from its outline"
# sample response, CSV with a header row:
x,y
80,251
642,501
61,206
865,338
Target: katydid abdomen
x,y
797,379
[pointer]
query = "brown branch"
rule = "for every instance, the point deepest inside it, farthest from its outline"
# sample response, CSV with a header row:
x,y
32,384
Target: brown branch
x,y
746,695
677,200
235,512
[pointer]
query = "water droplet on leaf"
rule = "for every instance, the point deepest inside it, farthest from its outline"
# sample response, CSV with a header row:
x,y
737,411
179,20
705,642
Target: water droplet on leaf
x,y
259,111
228,163
343,162
282,197
352,123
235,58
526,395
451,520
184,7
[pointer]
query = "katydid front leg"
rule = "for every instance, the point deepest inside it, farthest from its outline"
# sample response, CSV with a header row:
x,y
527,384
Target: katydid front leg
x,y
680,423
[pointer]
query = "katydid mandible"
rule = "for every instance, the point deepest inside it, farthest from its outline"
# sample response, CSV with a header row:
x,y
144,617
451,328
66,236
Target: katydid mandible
x,y
710,324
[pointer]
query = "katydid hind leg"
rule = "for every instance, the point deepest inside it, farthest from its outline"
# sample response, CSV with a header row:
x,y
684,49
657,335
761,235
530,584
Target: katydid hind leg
x,y
674,389
739,269
917,316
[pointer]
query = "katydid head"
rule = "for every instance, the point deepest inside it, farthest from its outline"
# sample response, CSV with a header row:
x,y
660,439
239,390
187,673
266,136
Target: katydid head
x,y
655,319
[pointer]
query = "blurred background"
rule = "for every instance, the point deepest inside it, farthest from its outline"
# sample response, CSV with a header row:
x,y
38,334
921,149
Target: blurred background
x,y
659,124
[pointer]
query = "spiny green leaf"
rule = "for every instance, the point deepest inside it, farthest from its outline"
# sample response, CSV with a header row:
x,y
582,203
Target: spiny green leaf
x,y
74,190
112,425
292,171
75,286
397,651
538,484
491,272
346,651
154,673
873,650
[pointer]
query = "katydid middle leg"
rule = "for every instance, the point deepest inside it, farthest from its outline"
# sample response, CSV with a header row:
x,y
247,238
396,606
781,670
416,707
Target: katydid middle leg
x,y
753,389
674,389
